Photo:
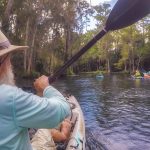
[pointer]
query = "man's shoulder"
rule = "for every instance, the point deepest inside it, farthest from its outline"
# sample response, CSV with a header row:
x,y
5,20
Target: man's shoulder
x,y
7,93
7,90
7,87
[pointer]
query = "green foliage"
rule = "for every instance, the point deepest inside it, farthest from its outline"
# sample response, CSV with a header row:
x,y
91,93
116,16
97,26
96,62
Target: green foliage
x,y
70,71
54,32
32,75
102,12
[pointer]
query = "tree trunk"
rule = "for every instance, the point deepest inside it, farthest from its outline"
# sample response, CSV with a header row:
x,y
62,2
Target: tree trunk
x,y
7,13
50,66
31,52
26,43
138,64
125,66
67,44
108,65
133,64
130,64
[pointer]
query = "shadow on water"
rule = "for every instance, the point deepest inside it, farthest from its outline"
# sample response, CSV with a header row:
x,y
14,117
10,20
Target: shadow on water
x,y
94,141
97,141
116,110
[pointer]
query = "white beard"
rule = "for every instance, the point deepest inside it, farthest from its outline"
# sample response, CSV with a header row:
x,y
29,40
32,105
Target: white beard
x,y
7,77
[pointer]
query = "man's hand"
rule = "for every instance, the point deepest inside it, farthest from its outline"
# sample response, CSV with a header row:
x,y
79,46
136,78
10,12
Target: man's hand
x,y
40,84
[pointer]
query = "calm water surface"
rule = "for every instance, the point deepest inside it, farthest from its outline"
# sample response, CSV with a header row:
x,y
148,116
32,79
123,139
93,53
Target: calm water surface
x,y
116,109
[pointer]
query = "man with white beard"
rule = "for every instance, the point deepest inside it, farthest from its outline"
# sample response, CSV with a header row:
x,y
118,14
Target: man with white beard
x,y
20,110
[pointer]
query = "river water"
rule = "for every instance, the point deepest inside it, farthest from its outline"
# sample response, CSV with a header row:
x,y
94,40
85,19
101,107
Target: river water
x,y
116,110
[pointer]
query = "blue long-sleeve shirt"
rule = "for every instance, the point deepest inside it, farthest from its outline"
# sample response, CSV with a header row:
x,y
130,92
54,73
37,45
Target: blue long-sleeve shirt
x,y
20,110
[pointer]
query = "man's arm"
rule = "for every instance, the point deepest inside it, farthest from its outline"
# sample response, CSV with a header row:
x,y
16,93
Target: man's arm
x,y
32,111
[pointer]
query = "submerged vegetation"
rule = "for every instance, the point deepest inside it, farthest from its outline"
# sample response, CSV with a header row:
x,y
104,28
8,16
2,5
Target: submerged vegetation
x,y
55,31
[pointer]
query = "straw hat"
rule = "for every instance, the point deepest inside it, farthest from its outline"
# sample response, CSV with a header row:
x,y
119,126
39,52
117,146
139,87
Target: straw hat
x,y
6,47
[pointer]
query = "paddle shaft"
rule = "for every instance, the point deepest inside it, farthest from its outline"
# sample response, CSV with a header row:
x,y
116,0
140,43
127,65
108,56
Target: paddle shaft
x,y
77,55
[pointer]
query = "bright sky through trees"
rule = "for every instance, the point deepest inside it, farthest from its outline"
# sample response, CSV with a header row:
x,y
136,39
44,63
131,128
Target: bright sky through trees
x,y
92,23
96,2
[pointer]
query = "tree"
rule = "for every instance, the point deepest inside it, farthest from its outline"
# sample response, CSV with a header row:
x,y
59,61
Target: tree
x,y
6,16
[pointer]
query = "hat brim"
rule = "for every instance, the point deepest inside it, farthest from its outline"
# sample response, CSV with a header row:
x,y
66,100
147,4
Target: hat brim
x,y
12,48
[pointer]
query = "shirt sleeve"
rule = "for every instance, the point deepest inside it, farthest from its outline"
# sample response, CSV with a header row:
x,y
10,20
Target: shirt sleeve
x,y
32,111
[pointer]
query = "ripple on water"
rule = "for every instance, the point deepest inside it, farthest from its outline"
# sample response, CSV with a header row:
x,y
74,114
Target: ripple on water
x,y
134,93
116,110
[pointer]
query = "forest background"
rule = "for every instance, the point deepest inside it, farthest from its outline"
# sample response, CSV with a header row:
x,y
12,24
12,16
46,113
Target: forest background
x,y
55,30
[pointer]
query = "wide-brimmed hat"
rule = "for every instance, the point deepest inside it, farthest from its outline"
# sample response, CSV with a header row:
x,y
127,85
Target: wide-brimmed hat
x,y
6,47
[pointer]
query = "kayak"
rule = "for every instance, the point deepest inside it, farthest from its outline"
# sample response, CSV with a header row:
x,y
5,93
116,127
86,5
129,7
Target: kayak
x,y
99,76
77,137
139,77
43,140
147,76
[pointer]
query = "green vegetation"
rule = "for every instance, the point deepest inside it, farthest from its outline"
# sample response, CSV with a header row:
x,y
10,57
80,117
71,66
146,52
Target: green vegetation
x,y
54,32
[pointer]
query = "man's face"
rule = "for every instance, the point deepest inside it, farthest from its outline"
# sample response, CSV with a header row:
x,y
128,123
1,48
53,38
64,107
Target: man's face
x,y
6,72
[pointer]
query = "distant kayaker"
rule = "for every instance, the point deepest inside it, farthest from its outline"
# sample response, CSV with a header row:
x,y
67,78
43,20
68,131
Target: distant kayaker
x,y
20,110
138,73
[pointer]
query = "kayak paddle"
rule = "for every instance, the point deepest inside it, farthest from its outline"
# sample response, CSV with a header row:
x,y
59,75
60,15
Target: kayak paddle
x,y
124,13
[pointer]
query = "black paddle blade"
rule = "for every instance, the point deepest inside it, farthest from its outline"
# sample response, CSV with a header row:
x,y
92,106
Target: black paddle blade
x,y
127,12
